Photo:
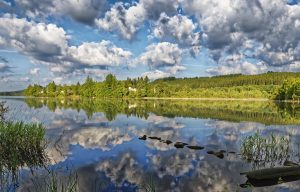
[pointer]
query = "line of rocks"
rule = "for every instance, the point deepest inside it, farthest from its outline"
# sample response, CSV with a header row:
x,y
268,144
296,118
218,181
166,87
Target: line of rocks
x,y
179,145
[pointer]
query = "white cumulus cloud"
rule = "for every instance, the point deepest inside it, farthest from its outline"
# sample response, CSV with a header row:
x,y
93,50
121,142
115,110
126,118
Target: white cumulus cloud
x,y
126,21
161,55
84,11
178,27
48,44
35,71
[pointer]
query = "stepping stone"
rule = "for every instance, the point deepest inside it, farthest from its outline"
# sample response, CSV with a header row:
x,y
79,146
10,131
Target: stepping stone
x,y
290,163
195,147
157,138
219,154
180,144
144,137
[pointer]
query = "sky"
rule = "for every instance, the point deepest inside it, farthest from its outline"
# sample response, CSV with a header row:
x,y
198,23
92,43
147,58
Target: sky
x,y
67,40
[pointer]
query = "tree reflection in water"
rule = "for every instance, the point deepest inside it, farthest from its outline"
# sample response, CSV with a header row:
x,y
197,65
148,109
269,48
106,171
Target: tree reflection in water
x,y
236,111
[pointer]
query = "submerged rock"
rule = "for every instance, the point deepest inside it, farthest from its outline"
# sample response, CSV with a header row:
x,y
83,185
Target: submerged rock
x,y
271,173
168,142
271,176
290,163
195,147
219,154
180,144
144,137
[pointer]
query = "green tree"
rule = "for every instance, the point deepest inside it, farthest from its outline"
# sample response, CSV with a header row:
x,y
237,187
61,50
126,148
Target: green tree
x,y
51,89
87,88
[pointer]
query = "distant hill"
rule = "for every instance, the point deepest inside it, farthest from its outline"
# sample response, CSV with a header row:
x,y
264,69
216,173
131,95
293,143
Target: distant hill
x,y
12,93
270,78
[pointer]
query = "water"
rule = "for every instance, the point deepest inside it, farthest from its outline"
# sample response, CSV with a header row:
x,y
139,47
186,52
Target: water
x,y
99,141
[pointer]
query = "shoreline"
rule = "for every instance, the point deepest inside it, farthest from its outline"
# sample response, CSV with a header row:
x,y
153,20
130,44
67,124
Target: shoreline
x,y
207,99
160,98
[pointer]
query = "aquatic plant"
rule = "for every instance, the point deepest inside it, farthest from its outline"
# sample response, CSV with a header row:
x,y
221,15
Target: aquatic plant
x,y
3,110
264,151
56,180
149,185
21,145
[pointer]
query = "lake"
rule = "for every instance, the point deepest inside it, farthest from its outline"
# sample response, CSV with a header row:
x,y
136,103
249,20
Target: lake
x,y
106,144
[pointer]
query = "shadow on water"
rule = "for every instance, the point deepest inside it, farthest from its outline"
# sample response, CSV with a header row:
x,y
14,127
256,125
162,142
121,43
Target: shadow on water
x,y
236,111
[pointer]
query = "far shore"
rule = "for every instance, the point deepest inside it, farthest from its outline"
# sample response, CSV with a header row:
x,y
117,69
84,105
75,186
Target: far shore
x,y
163,98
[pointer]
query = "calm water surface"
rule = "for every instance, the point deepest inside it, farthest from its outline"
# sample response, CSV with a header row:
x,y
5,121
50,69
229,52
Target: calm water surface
x,y
99,140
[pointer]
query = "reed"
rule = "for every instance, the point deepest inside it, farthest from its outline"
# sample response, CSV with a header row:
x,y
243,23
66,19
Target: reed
x,y
264,151
148,185
21,145
56,180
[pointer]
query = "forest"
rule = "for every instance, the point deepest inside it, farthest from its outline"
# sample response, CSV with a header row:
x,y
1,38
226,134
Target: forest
x,y
271,85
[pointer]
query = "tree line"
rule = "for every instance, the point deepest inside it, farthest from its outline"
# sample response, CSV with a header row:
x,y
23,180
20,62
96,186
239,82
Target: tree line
x,y
110,87
274,85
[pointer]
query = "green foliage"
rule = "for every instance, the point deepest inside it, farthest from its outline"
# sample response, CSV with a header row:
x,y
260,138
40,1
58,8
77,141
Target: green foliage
x,y
87,88
51,89
290,90
35,91
270,78
21,145
228,86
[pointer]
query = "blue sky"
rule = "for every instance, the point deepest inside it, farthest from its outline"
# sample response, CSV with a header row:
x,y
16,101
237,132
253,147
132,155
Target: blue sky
x,y
67,40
